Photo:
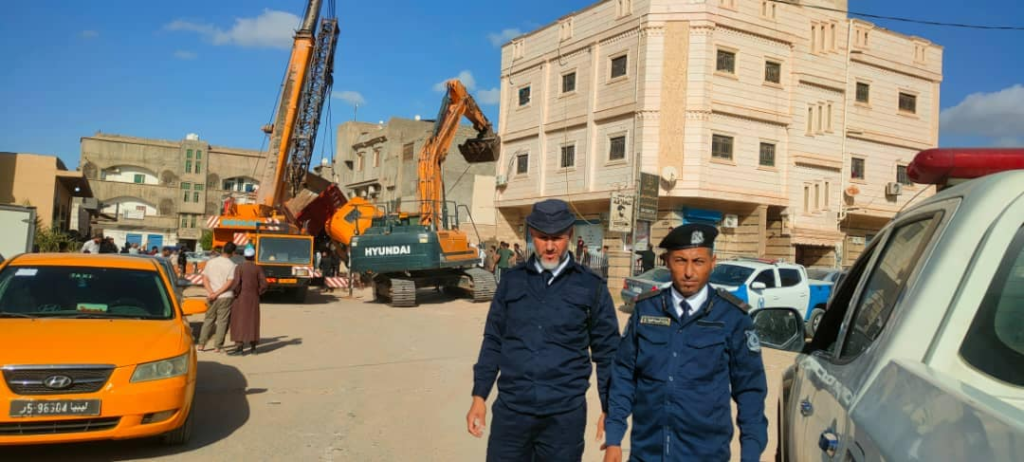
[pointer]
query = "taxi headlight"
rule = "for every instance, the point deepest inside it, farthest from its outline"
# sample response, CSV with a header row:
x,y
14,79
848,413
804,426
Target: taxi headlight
x,y
163,369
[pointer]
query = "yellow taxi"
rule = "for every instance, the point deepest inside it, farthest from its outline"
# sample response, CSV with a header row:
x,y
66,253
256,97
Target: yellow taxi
x,y
94,347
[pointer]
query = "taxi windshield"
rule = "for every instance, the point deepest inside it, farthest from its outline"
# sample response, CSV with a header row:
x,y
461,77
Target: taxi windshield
x,y
82,292
283,250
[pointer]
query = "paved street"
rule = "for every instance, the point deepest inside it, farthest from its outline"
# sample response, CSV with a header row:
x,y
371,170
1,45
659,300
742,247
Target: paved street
x,y
341,380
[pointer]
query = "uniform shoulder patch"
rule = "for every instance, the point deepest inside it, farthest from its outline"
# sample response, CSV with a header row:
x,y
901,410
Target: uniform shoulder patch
x,y
733,300
753,341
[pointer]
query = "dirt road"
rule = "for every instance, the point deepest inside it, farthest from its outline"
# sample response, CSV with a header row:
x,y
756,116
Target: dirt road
x,y
342,380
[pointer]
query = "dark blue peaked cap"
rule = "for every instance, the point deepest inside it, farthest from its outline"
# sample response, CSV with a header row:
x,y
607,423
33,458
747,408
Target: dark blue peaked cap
x,y
690,236
551,216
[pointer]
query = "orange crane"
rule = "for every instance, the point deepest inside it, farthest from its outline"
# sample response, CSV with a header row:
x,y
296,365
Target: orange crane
x,y
406,252
292,204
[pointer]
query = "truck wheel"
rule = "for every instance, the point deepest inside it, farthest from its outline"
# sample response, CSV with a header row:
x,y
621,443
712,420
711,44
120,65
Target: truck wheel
x,y
182,434
814,321
299,294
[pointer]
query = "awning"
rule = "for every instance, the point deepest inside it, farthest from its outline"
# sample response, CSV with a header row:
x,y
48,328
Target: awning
x,y
77,183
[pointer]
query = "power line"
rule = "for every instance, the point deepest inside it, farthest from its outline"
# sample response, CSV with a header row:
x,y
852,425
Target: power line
x,y
901,19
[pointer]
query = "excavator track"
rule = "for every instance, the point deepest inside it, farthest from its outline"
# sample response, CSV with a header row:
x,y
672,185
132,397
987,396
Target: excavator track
x,y
484,284
401,293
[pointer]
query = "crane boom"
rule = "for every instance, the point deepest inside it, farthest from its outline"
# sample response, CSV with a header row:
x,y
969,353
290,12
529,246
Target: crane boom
x,y
457,103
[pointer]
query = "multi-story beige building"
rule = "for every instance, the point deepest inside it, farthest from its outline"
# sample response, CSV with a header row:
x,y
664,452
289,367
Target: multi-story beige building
x,y
380,162
158,192
45,183
787,126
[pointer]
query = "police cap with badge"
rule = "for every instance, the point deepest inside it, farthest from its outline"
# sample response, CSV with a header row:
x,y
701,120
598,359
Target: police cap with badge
x,y
551,216
690,236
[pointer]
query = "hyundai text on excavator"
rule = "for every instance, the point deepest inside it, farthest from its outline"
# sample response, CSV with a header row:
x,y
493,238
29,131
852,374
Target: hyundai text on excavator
x,y
292,205
404,252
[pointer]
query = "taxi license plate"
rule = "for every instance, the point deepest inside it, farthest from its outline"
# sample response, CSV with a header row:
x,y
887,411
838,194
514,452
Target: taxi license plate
x,y
35,408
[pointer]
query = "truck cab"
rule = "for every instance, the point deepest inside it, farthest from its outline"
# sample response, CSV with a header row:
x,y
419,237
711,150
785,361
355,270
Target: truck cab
x,y
920,355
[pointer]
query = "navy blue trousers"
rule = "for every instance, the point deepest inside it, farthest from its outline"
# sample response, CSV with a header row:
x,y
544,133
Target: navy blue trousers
x,y
517,437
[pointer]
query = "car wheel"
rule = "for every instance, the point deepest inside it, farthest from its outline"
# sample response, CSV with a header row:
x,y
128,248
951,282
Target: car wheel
x,y
182,434
814,321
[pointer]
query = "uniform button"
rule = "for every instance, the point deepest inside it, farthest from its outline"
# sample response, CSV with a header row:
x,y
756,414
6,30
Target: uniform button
x,y
670,378
540,327
673,354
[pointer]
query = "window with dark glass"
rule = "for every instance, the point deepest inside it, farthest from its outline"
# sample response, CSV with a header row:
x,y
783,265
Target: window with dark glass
x,y
726,62
188,153
524,96
863,92
568,156
619,65
140,178
901,175
522,163
617,148
857,168
721,147
789,277
767,157
772,72
767,277
908,103
569,82
188,166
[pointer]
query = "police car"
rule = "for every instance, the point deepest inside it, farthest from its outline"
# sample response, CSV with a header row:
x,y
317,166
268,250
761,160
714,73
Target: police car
x,y
774,284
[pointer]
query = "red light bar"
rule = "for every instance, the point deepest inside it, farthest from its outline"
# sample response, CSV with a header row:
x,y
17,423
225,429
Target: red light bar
x,y
938,166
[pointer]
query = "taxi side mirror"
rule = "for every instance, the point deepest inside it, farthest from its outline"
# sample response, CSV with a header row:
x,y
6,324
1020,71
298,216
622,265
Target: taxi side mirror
x,y
194,306
758,286
780,329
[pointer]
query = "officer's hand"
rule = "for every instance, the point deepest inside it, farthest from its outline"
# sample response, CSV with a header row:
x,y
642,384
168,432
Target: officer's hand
x,y
600,428
613,454
476,419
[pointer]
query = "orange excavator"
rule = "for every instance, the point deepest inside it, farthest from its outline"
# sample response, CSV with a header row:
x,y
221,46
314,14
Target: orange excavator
x,y
292,205
404,252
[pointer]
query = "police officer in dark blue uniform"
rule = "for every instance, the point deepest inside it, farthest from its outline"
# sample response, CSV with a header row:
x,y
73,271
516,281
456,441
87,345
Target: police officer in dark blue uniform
x,y
548,317
683,355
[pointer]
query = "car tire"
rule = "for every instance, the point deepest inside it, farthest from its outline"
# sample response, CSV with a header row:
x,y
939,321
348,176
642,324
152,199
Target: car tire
x,y
181,435
814,321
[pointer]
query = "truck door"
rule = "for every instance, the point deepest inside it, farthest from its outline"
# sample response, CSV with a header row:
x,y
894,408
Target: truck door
x,y
832,378
793,291
759,298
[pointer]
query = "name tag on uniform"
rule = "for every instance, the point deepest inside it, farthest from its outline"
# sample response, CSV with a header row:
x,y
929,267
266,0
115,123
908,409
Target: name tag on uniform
x,y
657,321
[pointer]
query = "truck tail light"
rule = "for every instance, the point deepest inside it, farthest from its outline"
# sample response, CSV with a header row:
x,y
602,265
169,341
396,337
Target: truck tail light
x,y
943,167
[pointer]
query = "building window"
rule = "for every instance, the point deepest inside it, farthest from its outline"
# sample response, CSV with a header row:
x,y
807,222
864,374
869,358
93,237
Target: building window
x,y
524,96
721,147
828,118
807,198
569,82
731,4
566,29
188,166
407,151
901,175
568,156
184,221
522,164
827,195
198,187
810,120
619,65
908,103
832,37
199,166
768,9
772,72
767,155
192,221
188,154
185,199
359,165
863,92
617,148
857,168
376,157
625,8
195,197
817,197
140,178
186,186
821,119
726,62
199,154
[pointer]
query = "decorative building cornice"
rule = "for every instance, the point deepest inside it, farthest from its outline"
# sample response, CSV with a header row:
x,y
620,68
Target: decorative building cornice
x,y
702,30
653,31
648,115
617,38
698,115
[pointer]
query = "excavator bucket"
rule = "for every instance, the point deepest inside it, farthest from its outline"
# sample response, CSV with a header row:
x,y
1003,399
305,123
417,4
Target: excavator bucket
x,y
484,148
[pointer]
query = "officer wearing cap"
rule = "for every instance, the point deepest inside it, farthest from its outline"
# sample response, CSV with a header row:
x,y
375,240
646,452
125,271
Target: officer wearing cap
x,y
549,318
683,355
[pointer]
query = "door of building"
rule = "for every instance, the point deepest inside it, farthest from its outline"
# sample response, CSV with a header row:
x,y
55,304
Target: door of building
x,y
134,239
154,240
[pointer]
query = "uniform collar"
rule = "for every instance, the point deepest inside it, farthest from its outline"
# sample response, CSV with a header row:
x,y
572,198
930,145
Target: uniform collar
x,y
567,260
696,301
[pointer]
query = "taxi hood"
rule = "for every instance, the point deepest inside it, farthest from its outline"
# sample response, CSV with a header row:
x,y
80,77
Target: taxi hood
x,y
121,342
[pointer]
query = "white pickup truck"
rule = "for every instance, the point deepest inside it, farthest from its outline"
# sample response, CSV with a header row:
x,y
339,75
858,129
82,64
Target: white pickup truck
x,y
920,355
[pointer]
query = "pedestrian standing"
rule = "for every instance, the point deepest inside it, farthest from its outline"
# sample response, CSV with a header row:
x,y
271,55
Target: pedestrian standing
x,y
549,318
249,283
504,260
492,259
647,259
218,277
584,258
520,255
183,259
134,250
684,354
579,249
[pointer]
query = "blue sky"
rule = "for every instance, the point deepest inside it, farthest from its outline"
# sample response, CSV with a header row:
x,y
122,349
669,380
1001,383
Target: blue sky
x,y
164,69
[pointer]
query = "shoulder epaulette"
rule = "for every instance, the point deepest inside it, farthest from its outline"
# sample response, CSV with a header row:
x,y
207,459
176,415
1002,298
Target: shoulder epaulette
x,y
732,299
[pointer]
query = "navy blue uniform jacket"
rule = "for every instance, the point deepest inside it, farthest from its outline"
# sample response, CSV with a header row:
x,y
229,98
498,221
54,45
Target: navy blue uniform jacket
x,y
538,338
676,379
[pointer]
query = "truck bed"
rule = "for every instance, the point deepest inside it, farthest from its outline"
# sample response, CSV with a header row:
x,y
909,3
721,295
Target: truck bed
x,y
914,412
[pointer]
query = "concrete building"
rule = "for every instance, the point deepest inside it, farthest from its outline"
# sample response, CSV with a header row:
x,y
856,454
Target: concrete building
x,y
788,127
379,162
45,183
157,192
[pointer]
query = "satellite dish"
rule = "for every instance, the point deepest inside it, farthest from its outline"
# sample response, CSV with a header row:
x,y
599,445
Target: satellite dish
x,y
852,191
669,174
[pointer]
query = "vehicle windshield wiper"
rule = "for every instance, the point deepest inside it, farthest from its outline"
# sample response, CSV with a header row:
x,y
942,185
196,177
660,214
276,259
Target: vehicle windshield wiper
x,y
15,315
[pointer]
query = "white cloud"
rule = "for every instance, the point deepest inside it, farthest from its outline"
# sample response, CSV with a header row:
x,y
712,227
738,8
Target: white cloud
x,y
271,29
89,34
489,97
465,77
351,97
998,115
182,54
500,38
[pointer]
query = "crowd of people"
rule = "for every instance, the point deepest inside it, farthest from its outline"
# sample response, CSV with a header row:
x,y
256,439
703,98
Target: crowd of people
x,y
500,258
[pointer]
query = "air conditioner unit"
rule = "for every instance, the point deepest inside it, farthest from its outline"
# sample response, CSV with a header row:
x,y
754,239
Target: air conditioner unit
x,y
730,221
500,180
893,189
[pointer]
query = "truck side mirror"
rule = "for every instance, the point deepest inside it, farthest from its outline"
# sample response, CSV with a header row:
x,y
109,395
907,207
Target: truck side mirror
x,y
780,329
758,286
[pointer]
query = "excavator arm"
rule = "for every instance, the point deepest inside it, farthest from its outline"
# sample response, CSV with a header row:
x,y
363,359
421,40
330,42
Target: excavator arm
x,y
457,103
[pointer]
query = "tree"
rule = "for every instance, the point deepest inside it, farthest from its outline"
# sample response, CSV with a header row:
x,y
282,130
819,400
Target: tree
x,y
207,240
